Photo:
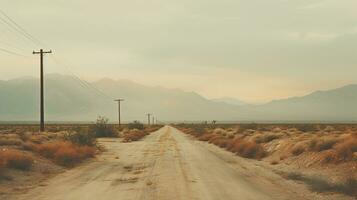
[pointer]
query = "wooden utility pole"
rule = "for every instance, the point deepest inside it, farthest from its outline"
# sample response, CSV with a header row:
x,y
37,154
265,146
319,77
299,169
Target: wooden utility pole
x,y
42,99
119,118
148,118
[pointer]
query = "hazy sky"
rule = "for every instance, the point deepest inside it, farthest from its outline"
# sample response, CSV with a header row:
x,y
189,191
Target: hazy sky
x,y
255,50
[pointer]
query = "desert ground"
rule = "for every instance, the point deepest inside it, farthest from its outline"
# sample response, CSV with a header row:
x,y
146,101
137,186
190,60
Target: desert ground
x,y
171,164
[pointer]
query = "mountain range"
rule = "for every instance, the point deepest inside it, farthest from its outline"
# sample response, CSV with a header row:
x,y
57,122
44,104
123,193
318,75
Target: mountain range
x,y
67,98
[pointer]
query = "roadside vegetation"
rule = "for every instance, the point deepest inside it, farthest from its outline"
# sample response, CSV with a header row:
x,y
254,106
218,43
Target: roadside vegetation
x,y
136,131
330,150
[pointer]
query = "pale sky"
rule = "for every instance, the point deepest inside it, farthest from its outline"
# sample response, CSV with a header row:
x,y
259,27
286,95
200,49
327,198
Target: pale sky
x,y
254,50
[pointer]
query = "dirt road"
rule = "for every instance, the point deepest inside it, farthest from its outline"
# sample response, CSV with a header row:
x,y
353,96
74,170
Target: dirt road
x,y
167,165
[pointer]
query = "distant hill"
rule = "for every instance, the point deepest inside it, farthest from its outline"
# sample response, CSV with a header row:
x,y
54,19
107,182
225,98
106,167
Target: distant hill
x,y
67,99
229,100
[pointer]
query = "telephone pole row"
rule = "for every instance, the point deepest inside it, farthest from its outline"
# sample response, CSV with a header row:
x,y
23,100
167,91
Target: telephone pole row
x,y
42,99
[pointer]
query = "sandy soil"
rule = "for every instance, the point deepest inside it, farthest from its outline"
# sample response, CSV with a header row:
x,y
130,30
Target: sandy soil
x,y
169,165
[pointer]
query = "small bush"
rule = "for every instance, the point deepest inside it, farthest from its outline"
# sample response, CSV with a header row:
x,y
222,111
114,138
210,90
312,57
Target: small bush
x,y
322,144
298,149
81,137
306,127
16,159
65,153
346,149
10,141
102,129
244,127
136,125
247,149
134,135
267,138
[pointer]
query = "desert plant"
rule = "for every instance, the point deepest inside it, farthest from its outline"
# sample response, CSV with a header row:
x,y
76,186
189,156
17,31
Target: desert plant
x,y
102,129
16,159
298,149
136,125
306,127
65,153
134,135
247,149
81,137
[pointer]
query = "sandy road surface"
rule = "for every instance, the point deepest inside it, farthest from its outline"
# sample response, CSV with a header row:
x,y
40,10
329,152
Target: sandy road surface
x,y
166,165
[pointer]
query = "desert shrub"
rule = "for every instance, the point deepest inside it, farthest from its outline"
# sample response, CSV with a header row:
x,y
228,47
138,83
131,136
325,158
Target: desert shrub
x,y
219,141
267,137
346,149
10,141
244,127
16,159
136,125
199,129
134,135
330,157
306,127
102,129
247,149
65,153
28,146
322,144
38,139
81,137
298,149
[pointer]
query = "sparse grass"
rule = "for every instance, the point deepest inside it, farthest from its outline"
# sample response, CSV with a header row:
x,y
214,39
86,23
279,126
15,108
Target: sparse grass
x,y
16,159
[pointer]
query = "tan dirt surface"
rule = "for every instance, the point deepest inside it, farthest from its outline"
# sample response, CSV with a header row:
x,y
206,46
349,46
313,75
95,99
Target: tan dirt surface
x,y
168,165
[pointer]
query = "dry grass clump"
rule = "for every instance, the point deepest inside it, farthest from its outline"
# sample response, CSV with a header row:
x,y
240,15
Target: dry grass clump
x,y
298,149
322,144
265,138
246,149
134,135
65,153
15,159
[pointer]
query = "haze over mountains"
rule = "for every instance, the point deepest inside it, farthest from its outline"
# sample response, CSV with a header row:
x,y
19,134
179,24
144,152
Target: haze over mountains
x,y
68,99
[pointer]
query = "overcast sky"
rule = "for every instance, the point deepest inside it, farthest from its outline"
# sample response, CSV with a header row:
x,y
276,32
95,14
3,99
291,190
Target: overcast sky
x,y
254,50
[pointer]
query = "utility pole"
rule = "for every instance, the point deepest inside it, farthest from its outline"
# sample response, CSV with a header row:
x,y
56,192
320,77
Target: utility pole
x,y
42,99
119,100
153,120
148,118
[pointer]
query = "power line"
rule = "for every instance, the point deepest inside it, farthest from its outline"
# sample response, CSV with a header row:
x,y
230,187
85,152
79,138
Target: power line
x,y
12,53
81,81
16,27
19,29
